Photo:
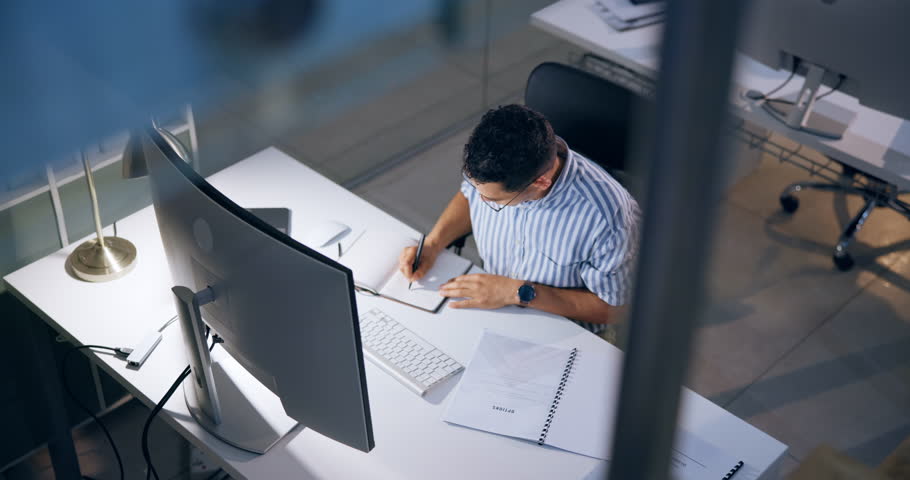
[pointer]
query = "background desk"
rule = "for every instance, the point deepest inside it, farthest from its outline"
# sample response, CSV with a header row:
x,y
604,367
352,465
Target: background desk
x,y
875,143
411,440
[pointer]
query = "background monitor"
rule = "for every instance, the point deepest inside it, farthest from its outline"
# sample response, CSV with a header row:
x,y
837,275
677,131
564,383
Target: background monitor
x,y
287,315
857,46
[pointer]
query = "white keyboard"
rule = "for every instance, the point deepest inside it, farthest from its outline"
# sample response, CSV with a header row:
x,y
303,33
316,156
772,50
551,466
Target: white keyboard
x,y
402,354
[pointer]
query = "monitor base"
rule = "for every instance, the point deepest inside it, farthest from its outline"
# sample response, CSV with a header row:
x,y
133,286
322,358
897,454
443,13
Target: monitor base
x,y
253,418
800,115
815,124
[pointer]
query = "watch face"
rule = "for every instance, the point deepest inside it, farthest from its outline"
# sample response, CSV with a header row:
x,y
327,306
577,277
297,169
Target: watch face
x,y
526,293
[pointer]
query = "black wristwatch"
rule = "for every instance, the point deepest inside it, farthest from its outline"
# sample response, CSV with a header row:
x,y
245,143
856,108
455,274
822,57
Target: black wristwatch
x,y
526,293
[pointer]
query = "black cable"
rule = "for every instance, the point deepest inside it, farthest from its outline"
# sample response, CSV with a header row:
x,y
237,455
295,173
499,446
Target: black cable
x,y
121,352
782,85
150,469
66,388
840,81
779,100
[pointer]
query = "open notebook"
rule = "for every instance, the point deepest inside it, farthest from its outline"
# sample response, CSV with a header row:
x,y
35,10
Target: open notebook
x,y
373,258
563,398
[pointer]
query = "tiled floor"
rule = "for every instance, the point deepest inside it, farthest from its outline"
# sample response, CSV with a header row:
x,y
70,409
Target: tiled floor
x,y
410,99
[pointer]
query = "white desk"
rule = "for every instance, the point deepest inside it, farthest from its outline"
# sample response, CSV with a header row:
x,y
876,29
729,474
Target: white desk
x,y
411,440
875,143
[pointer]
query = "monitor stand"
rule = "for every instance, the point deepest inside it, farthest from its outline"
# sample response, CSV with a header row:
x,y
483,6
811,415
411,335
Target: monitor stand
x,y
799,115
225,399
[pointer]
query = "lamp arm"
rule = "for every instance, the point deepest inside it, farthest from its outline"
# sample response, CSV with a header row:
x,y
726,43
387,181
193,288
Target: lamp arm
x,y
96,212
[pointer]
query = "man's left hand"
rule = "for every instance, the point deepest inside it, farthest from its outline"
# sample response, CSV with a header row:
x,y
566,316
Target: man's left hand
x,y
481,290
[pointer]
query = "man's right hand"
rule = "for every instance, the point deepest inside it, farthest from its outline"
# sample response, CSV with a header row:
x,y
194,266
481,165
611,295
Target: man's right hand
x,y
427,259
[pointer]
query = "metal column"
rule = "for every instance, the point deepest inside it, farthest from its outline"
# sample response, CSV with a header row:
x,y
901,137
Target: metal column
x,y
686,134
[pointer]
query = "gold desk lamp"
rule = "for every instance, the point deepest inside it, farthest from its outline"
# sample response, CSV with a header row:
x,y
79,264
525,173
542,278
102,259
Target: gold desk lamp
x,y
104,258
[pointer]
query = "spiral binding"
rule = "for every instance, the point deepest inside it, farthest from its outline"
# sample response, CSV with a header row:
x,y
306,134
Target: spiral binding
x,y
733,470
558,396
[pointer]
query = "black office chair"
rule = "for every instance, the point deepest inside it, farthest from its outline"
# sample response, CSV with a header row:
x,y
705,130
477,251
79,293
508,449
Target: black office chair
x,y
874,191
592,114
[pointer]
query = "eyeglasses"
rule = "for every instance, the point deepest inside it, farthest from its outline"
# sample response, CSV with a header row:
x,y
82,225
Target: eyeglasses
x,y
495,206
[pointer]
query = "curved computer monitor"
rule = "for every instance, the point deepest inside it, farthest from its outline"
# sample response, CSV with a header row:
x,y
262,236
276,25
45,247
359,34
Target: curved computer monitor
x,y
286,313
857,46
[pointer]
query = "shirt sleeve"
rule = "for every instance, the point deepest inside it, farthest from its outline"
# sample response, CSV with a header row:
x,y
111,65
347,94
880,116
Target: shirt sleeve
x,y
608,272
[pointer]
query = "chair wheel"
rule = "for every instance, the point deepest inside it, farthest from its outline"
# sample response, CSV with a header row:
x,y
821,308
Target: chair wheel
x,y
789,203
848,171
843,262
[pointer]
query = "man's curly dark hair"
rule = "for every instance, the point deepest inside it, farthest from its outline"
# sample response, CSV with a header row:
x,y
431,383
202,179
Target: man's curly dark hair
x,y
512,145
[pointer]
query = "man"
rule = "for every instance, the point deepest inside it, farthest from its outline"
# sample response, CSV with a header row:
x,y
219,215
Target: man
x,y
555,231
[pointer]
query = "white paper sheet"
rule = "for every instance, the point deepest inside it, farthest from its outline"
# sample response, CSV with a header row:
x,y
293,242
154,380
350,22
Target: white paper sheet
x,y
347,243
617,23
628,12
694,459
508,387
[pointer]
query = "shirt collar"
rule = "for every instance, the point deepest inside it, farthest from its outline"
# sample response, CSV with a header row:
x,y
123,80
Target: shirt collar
x,y
569,168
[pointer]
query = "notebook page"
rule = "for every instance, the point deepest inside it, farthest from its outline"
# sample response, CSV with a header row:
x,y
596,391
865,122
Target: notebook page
x,y
374,257
425,292
694,458
584,420
508,387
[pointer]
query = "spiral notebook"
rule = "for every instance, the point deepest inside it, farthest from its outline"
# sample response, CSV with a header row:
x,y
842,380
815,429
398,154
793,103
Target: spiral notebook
x,y
557,396
373,258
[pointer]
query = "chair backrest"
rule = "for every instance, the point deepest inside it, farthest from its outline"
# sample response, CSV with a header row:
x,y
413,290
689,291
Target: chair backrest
x,y
592,114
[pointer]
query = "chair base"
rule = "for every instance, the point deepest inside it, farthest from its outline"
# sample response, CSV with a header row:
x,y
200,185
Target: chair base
x,y
875,192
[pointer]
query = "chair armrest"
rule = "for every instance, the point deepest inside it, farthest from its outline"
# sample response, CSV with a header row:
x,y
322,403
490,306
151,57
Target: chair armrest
x,y
458,243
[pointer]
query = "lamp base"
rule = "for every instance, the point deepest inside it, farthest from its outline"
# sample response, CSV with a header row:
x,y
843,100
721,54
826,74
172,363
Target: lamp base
x,y
94,262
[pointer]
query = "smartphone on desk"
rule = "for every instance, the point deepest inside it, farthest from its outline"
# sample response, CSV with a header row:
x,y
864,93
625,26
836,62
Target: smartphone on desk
x,y
280,218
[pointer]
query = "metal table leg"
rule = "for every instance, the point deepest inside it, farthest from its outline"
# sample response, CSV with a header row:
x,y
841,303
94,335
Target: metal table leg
x,y
60,439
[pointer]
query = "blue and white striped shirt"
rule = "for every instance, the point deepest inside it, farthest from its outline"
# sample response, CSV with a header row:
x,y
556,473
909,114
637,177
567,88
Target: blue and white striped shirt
x,y
583,233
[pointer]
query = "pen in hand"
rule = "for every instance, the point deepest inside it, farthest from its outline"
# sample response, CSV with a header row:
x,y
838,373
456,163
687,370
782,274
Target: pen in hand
x,y
416,263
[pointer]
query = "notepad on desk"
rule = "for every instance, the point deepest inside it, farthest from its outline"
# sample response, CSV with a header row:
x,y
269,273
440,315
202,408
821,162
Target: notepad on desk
x,y
374,261
561,397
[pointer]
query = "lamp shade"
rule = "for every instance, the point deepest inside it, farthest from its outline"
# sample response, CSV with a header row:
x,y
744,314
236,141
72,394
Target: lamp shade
x,y
134,164
174,143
